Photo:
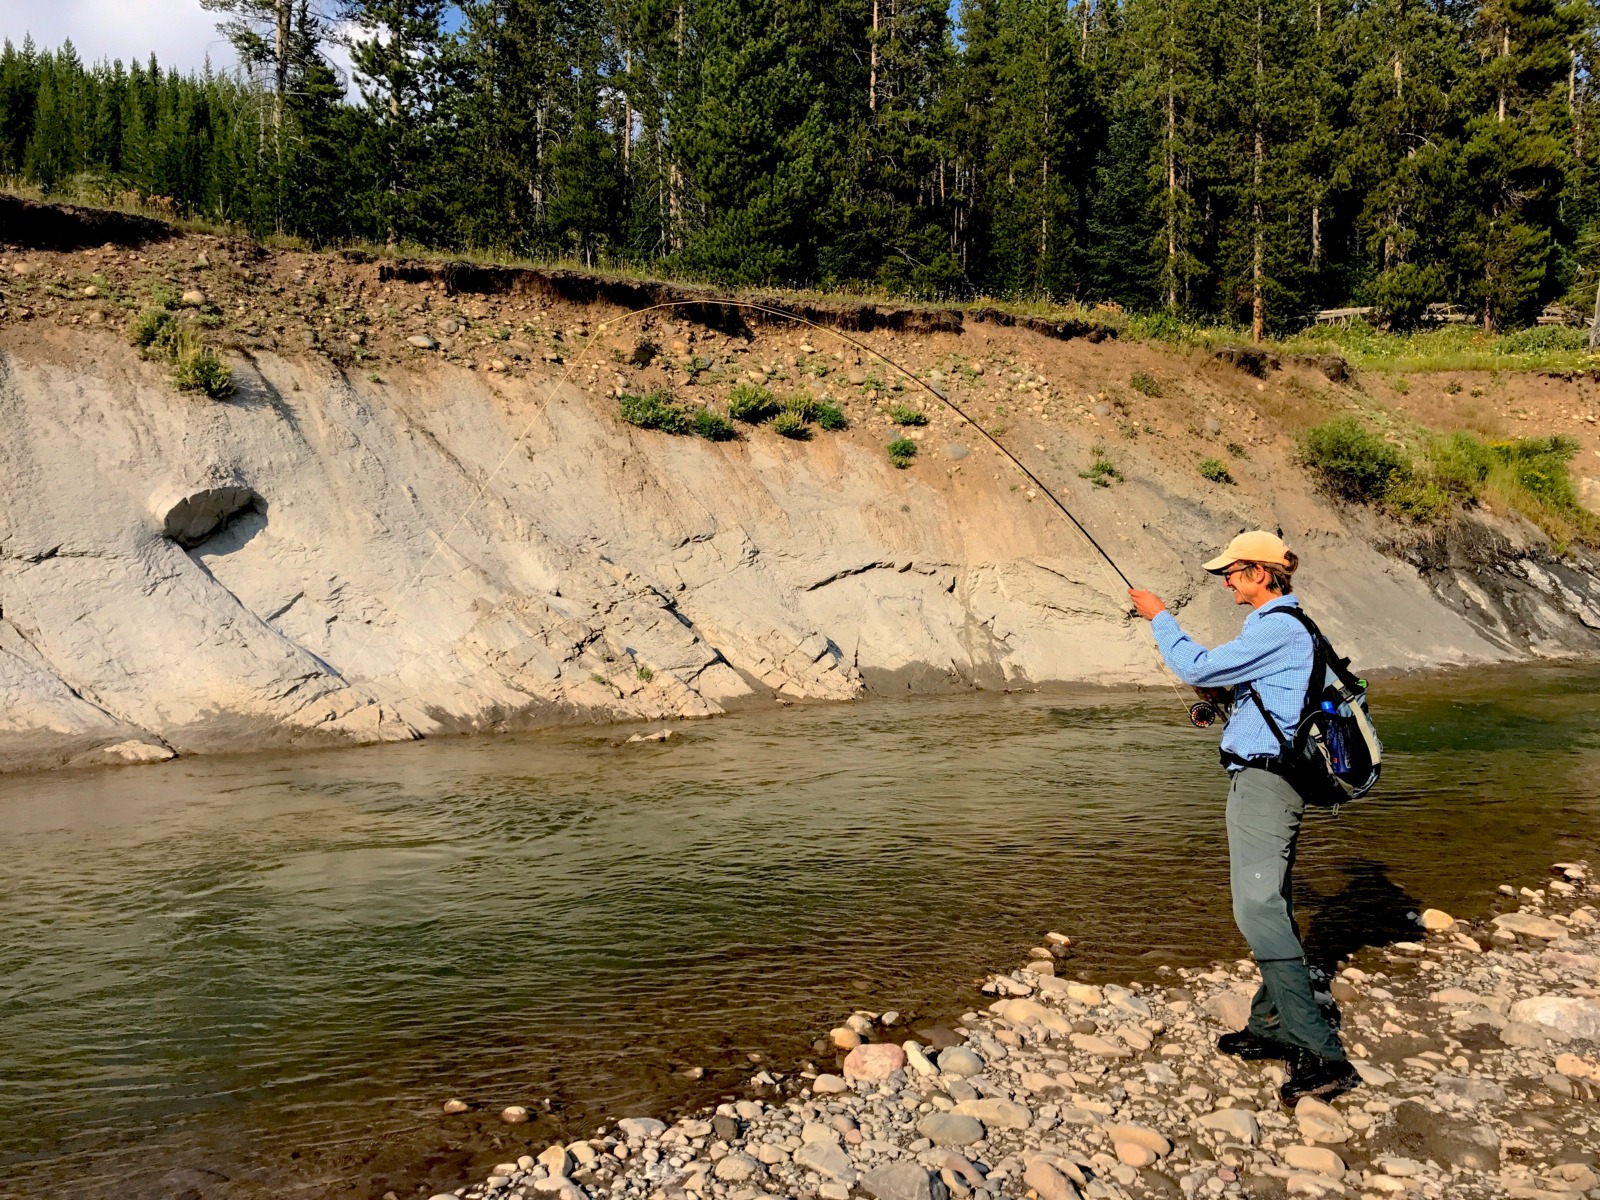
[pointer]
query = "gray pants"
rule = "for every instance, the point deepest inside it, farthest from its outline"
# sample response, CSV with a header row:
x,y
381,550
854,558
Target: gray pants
x,y
1263,826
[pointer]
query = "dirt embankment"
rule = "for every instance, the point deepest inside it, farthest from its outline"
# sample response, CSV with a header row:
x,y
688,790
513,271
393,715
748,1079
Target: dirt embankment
x,y
420,511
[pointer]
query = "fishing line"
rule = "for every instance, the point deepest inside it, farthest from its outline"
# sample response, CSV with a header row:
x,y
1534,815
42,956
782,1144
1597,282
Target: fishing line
x,y
753,306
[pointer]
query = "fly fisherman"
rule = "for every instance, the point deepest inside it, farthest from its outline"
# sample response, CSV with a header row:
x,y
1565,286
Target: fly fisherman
x,y
1264,811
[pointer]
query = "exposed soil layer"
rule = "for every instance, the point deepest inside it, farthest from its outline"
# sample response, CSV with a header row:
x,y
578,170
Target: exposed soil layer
x,y
37,226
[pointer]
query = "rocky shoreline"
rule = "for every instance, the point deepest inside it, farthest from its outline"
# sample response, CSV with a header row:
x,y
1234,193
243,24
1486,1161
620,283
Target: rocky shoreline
x,y
1478,1043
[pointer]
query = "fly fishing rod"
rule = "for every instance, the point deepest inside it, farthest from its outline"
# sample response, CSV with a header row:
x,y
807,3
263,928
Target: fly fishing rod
x,y
955,408
767,310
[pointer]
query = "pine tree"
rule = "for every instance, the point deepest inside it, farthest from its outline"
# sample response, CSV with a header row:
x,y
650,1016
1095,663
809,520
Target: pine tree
x,y
52,156
1165,84
1515,156
1037,161
19,99
408,70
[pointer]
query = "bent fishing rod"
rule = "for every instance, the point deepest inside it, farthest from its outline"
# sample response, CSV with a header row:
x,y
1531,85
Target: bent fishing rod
x,y
767,310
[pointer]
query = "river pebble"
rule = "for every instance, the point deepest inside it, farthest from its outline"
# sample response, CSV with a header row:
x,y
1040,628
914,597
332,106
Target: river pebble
x,y
1476,1045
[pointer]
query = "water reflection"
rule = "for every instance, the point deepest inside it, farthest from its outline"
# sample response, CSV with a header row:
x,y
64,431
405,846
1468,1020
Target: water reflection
x,y
225,963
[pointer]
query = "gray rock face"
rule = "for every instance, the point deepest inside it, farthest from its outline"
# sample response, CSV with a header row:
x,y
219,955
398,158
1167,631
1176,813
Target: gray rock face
x,y
191,516
326,536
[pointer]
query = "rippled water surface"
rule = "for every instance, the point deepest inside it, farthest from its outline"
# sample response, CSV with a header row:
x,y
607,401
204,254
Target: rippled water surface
x,y
265,974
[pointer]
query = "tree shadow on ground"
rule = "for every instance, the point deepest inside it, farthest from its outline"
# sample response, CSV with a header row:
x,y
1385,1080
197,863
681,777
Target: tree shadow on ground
x,y
1370,910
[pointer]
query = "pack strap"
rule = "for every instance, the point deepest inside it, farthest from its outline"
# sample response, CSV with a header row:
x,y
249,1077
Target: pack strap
x,y
1339,666
1271,724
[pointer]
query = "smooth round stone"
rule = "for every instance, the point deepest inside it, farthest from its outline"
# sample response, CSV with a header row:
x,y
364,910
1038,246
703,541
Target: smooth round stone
x,y
1436,920
950,1129
955,451
1314,1158
736,1168
514,1114
844,1039
641,1127
874,1062
829,1085
958,1060
455,1106
1134,1155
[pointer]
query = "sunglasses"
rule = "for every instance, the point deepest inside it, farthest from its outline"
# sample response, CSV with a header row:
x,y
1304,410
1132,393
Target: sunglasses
x,y
1232,571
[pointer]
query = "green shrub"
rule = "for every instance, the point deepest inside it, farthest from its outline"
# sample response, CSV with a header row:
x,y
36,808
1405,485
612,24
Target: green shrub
x,y
1235,449
1459,464
153,330
904,414
752,404
1147,385
645,674
902,451
801,405
196,369
1541,339
1403,292
791,424
1102,471
1353,461
711,425
1421,501
1214,470
1540,467
162,296
831,417
654,410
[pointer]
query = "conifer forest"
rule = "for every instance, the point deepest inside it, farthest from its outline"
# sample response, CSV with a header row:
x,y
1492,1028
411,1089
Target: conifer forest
x,y
1239,161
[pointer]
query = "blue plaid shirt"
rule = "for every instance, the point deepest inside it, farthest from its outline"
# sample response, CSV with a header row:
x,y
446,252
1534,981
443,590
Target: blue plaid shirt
x,y
1276,656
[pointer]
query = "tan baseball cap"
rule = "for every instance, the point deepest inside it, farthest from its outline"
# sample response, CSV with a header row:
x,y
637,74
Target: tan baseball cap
x,y
1254,545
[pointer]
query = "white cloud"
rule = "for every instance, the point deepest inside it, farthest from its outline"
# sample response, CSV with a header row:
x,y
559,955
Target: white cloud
x,y
179,32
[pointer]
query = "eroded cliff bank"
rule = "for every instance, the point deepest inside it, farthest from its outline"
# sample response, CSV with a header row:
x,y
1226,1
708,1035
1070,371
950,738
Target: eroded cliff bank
x,y
377,540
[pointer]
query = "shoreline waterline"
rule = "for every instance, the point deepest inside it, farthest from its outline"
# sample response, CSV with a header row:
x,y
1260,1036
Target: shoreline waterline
x,y
1025,1095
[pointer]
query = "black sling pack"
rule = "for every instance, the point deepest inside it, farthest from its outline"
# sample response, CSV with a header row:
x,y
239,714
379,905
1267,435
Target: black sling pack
x,y
1332,755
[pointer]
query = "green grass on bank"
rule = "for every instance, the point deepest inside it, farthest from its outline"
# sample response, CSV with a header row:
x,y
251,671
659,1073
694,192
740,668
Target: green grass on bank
x,y
1420,476
1443,348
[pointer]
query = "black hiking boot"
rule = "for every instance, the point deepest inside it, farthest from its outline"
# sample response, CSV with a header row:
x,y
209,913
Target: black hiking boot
x,y
1248,1044
1312,1075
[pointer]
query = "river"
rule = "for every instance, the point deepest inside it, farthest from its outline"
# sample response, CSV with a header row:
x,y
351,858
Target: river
x,y
265,974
